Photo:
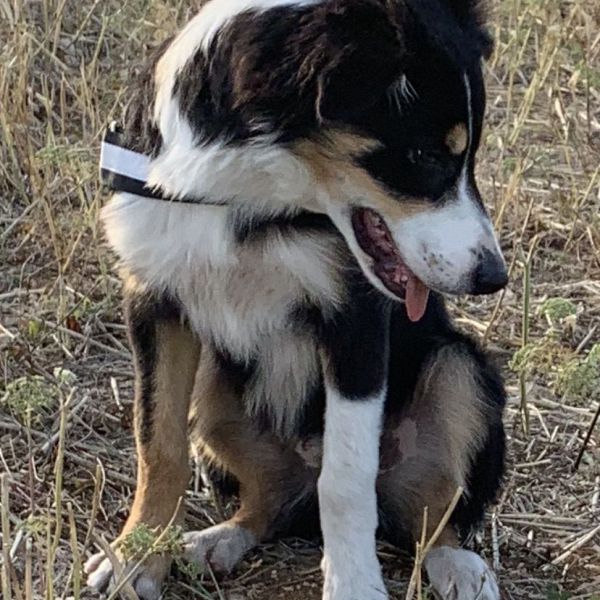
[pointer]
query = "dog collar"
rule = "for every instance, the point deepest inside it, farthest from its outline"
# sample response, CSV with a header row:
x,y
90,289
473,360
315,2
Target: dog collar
x,y
125,170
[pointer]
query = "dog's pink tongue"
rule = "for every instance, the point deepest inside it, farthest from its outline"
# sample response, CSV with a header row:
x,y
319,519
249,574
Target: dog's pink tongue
x,y
417,294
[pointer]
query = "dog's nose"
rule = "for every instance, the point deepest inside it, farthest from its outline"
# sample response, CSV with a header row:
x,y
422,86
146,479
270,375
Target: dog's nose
x,y
490,274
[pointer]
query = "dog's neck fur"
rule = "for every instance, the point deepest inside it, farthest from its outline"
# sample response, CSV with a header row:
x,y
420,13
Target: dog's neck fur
x,y
245,291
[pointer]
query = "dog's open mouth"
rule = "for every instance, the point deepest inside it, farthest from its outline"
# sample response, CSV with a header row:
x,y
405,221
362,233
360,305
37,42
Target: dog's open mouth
x,y
374,238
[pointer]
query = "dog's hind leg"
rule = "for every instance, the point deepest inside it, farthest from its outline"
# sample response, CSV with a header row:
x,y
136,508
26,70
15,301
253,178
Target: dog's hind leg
x,y
451,435
166,358
274,481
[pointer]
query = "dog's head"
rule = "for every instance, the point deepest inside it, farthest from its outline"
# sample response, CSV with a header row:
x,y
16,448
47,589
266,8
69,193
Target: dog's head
x,y
380,102
408,204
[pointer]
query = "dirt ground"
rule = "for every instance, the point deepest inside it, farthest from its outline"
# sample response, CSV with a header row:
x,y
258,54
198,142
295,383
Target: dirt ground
x,y
66,449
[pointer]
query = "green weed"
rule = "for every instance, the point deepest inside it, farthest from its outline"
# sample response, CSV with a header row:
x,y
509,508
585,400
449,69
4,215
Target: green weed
x,y
144,539
29,399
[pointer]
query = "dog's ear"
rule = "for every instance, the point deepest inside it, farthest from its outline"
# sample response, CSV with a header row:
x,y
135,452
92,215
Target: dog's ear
x,y
331,59
468,10
363,58
473,14
455,26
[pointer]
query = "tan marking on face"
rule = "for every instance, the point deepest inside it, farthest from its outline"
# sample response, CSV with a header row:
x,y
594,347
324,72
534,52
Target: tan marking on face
x,y
333,164
457,139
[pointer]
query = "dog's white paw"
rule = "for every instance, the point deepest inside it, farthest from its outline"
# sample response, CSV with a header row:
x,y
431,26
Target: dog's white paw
x,y
221,546
458,574
346,583
146,581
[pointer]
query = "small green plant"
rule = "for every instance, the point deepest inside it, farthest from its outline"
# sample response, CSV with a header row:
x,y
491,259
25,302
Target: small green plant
x,y
553,593
143,540
579,378
554,360
29,399
570,375
189,569
34,329
539,357
64,376
35,524
559,312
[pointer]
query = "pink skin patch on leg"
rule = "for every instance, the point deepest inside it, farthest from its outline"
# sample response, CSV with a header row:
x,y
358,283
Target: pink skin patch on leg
x,y
397,446
310,450
405,436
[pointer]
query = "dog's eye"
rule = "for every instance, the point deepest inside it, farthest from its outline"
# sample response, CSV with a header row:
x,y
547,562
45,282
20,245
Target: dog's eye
x,y
423,157
414,155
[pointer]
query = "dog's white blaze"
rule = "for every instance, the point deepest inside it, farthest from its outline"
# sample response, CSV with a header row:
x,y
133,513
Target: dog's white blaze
x,y
470,118
240,298
197,34
347,497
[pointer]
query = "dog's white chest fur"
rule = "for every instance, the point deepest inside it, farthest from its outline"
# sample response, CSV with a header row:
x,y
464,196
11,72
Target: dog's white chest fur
x,y
238,296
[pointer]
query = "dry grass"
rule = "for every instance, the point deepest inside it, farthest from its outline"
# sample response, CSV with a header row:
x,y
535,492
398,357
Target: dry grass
x,y
65,440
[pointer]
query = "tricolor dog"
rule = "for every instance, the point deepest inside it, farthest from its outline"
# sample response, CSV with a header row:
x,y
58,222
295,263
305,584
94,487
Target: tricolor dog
x,y
294,190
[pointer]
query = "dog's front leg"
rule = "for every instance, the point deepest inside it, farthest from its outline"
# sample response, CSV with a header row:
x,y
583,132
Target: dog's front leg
x,y
355,362
166,355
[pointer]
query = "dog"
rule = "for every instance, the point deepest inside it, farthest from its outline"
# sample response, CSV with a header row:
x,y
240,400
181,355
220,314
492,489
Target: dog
x,y
294,190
